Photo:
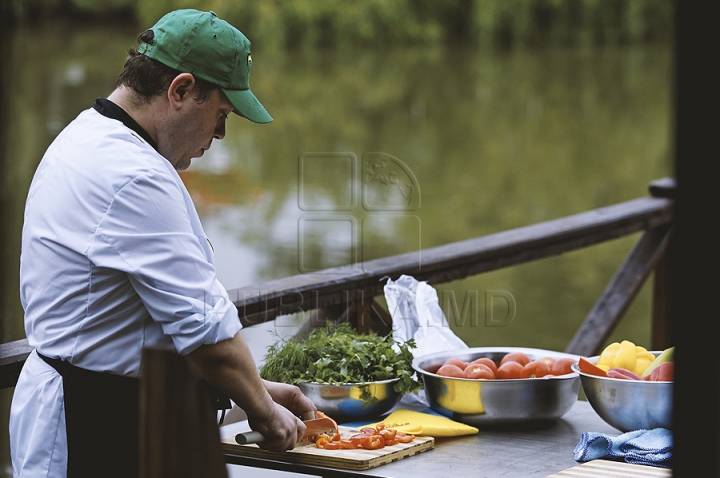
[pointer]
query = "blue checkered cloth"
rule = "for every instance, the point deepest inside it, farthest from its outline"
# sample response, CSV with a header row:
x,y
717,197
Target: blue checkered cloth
x,y
639,447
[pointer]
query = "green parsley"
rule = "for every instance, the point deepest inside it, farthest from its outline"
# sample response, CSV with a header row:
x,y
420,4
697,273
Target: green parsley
x,y
340,355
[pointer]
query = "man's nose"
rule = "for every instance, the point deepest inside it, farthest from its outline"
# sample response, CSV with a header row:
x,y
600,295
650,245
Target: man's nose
x,y
219,130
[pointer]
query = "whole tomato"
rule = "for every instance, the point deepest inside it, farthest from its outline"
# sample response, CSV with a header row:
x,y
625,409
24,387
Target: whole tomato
x,y
450,370
548,360
562,366
535,369
518,357
456,361
487,361
479,370
509,370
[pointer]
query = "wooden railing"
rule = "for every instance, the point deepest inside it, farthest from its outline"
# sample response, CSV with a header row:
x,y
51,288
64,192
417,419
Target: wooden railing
x,y
348,293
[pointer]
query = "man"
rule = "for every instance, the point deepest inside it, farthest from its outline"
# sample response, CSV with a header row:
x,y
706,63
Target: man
x,y
114,259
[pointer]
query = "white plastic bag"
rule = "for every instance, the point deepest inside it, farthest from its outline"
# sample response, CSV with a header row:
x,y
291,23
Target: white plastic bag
x,y
416,314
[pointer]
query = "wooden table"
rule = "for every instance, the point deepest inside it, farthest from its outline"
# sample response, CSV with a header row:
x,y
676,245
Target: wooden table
x,y
490,453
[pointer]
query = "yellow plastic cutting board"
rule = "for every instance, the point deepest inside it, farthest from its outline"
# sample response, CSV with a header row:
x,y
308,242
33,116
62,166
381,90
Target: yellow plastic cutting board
x,y
425,424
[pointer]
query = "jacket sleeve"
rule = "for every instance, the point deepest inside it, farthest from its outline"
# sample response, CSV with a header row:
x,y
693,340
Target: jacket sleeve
x,y
147,232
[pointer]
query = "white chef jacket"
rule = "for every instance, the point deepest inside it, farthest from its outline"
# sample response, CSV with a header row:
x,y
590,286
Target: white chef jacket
x,y
114,259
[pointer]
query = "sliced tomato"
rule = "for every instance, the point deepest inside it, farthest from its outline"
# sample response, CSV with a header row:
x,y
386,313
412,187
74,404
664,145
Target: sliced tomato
x,y
404,438
322,441
590,369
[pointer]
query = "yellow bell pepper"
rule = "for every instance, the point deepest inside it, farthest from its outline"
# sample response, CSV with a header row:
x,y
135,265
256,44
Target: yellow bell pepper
x,y
625,355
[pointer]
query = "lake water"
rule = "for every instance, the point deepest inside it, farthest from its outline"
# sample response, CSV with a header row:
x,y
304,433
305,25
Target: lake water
x,y
379,152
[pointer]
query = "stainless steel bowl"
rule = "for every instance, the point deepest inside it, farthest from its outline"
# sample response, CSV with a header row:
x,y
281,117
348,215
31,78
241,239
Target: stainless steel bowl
x,y
345,402
481,403
629,404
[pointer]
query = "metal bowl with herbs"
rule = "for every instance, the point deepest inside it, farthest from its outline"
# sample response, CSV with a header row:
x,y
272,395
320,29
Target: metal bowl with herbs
x,y
348,375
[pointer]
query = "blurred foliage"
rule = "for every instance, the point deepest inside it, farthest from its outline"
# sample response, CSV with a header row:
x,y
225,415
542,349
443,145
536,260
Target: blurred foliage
x,y
338,23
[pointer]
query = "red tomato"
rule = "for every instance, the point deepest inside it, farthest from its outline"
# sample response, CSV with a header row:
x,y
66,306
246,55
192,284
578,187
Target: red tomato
x,y
623,374
509,370
450,370
562,366
479,370
535,369
518,357
590,369
456,361
664,373
403,438
548,360
486,361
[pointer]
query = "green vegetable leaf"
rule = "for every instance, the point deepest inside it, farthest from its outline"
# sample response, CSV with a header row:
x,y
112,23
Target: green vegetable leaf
x,y
340,355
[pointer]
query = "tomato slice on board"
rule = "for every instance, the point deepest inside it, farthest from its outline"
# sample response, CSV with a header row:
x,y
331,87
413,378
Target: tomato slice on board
x,y
403,438
590,369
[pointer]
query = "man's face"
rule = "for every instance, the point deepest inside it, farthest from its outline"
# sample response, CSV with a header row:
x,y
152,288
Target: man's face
x,y
195,126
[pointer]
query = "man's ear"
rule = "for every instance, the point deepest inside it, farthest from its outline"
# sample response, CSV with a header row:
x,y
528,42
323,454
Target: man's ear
x,y
179,89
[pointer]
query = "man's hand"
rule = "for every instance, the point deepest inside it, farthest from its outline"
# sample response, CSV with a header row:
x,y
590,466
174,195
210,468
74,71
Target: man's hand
x,y
229,366
281,431
290,397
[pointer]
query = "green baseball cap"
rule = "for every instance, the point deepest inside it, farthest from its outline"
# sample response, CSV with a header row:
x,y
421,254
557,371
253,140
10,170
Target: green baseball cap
x,y
200,43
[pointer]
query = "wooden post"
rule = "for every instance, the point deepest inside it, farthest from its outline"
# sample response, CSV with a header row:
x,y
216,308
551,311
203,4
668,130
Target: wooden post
x,y
620,292
694,264
179,435
662,279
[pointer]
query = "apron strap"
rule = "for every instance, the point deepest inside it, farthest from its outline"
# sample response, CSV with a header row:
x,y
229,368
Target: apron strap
x,y
101,416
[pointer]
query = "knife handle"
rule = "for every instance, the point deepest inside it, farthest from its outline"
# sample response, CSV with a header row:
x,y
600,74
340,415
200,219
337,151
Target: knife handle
x,y
249,437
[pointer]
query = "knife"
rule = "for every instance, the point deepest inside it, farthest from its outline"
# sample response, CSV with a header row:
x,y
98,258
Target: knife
x,y
315,426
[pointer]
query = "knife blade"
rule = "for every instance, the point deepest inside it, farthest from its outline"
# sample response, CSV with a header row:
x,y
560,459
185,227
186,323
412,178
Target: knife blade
x,y
315,426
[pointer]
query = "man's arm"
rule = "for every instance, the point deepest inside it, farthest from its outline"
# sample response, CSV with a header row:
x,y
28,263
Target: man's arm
x,y
229,366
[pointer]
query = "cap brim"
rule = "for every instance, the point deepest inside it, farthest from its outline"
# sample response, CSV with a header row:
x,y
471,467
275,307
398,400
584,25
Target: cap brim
x,y
248,106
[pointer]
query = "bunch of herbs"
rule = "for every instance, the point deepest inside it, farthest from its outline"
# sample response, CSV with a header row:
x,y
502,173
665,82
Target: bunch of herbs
x,y
340,355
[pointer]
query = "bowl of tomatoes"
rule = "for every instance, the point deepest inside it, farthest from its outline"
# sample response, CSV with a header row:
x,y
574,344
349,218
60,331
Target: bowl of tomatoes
x,y
491,386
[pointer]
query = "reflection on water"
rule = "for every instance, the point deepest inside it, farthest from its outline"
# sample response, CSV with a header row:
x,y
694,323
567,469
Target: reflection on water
x,y
492,140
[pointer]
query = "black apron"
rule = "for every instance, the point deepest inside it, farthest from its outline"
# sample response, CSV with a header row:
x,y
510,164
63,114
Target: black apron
x,y
101,419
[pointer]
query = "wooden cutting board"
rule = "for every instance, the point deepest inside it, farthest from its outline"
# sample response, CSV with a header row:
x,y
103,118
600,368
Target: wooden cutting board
x,y
612,469
356,460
